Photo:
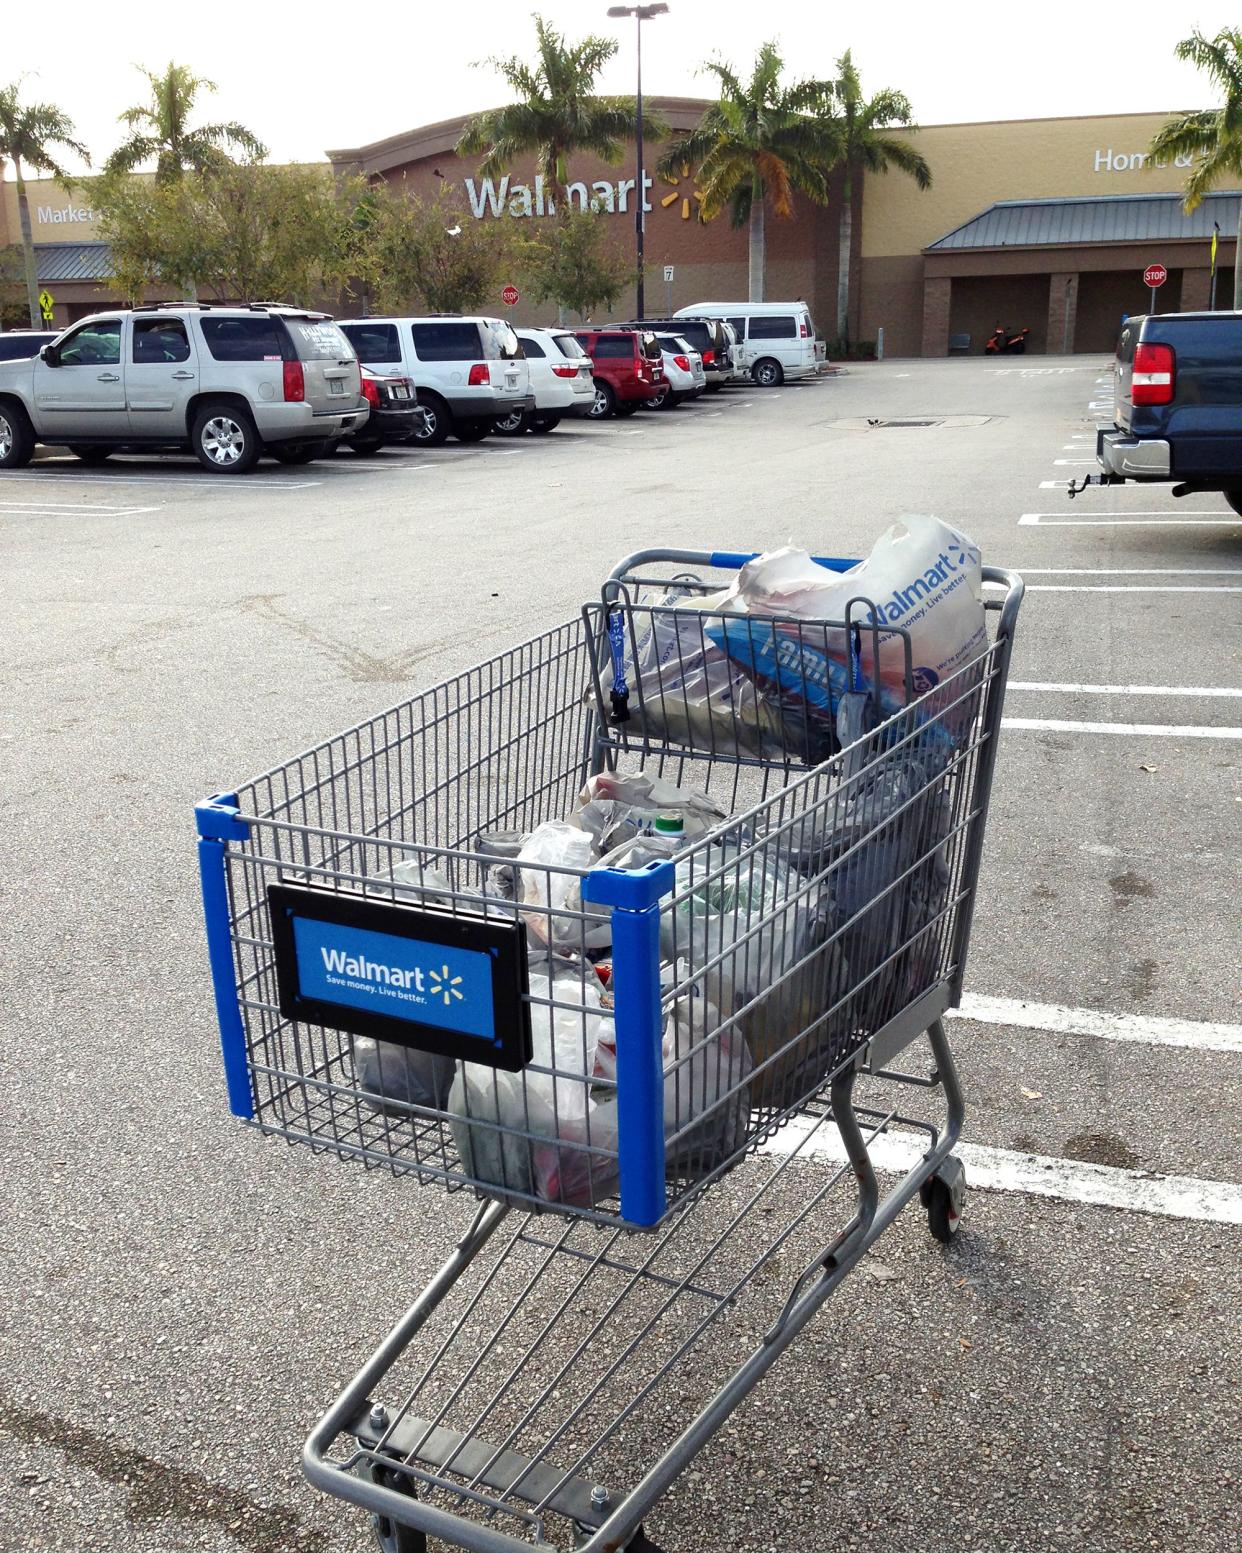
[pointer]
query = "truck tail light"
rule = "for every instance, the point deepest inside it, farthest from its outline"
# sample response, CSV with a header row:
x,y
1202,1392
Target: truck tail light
x,y
295,383
479,376
1154,373
682,363
370,392
803,331
565,371
708,358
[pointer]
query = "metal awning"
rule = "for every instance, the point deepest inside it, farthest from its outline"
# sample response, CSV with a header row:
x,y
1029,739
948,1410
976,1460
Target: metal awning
x,y
1073,223
71,262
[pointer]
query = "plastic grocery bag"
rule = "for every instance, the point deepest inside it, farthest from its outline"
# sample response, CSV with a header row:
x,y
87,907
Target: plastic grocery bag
x,y
922,577
550,865
766,926
615,806
387,1072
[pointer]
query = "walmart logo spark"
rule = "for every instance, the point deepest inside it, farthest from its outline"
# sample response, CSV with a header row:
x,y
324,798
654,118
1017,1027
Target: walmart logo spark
x,y
445,986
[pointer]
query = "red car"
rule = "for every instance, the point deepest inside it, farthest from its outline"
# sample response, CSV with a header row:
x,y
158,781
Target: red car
x,y
629,369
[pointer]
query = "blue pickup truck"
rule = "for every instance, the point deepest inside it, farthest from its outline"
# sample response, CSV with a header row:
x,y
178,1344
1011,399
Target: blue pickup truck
x,y
1177,380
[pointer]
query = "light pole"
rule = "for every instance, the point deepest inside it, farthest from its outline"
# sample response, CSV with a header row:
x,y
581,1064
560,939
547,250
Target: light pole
x,y
641,14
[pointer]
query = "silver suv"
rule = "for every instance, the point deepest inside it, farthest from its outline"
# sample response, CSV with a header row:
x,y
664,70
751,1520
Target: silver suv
x,y
230,383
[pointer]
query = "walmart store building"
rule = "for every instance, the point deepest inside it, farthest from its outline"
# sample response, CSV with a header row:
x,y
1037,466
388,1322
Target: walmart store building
x,y
1045,223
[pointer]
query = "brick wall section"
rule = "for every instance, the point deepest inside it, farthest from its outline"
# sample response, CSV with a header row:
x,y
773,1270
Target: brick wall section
x,y
1197,288
937,300
1062,312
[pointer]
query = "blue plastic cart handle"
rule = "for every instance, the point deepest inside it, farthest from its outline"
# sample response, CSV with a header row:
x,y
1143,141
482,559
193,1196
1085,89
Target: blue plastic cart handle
x,y
734,560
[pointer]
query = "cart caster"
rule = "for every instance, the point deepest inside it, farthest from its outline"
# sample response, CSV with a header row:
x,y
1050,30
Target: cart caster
x,y
391,1536
944,1197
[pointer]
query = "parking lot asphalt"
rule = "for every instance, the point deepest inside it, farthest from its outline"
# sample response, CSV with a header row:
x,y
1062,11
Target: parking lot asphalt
x,y
180,1298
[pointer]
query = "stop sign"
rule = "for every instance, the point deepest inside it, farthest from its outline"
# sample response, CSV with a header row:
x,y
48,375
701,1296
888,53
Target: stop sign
x,y
510,295
1155,275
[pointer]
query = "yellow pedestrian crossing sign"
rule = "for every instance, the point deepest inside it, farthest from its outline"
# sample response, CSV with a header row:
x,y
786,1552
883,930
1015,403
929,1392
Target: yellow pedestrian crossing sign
x,y
46,303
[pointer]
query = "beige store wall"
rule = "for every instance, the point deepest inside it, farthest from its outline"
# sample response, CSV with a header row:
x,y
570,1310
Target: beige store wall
x,y
1027,159
55,215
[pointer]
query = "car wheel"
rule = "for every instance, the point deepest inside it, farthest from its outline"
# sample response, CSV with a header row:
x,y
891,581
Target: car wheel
x,y
1234,498
437,422
511,425
659,399
225,440
366,445
541,424
605,402
628,407
302,454
89,455
768,373
471,431
671,400
17,438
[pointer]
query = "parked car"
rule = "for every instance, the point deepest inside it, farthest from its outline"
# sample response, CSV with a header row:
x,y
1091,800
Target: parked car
x,y
776,340
396,415
20,344
467,369
711,337
1177,384
230,383
562,380
628,366
683,371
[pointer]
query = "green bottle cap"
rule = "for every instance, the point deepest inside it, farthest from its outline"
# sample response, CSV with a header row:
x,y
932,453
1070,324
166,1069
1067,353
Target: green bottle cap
x,y
670,825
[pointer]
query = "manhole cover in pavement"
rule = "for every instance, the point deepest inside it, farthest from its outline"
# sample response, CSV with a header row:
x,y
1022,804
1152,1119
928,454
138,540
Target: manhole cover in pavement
x,y
907,422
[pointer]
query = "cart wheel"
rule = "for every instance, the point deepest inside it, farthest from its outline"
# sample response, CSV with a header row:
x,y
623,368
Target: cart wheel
x,y
638,1543
944,1197
391,1536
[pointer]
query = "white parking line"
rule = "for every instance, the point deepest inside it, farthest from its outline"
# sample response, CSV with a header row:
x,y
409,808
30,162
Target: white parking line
x,y
1038,1175
1075,461
216,483
1146,1029
1133,730
1047,587
1192,519
1069,689
1131,571
50,509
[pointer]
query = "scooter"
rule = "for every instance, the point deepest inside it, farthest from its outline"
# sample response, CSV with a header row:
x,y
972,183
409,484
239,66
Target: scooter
x,y
1001,343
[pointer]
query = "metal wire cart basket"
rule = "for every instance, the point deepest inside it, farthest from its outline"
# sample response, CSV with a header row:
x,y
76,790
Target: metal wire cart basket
x,y
451,943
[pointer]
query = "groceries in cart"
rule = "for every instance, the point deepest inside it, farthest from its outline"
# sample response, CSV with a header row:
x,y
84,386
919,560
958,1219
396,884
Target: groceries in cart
x,y
754,670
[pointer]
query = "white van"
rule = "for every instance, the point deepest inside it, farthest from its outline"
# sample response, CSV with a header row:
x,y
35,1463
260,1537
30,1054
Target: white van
x,y
775,340
466,369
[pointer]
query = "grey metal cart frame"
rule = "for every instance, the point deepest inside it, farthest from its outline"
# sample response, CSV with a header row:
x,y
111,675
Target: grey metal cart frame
x,y
545,1367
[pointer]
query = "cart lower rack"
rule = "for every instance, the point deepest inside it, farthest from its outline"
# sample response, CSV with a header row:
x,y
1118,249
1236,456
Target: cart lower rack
x,y
420,966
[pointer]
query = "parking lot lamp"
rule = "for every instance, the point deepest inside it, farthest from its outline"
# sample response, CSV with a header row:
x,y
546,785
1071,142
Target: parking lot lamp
x,y
641,14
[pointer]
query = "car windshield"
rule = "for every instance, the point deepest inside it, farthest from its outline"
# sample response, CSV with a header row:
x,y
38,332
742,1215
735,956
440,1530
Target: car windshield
x,y
319,339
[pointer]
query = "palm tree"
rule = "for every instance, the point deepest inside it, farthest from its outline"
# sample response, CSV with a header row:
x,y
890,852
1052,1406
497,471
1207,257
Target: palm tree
x,y
160,130
556,112
760,142
865,147
27,135
1213,136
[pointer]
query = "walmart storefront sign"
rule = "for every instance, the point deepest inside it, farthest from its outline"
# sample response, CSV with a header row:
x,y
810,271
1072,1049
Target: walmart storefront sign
x,y
1109,161
498,197
63,215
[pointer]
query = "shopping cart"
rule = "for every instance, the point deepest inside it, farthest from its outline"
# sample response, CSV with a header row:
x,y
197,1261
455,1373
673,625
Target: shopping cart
x,y
674,1064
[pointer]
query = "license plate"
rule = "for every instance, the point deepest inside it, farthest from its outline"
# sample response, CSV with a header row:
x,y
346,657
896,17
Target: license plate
x,y
400,391
336,385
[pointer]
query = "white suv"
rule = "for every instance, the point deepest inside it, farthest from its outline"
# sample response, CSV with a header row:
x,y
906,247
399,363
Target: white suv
x,y
231,383
466,369
562,379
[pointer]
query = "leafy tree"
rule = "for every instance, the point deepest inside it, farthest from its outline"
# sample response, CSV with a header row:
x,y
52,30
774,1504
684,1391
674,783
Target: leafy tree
x,y
575,263
245,233
12,287
160,130
1212,136
556,112
865,147
431,253
28,134
758,143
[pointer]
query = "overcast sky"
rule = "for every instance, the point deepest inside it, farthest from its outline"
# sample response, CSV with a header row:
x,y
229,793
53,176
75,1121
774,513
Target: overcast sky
x,y
311,76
